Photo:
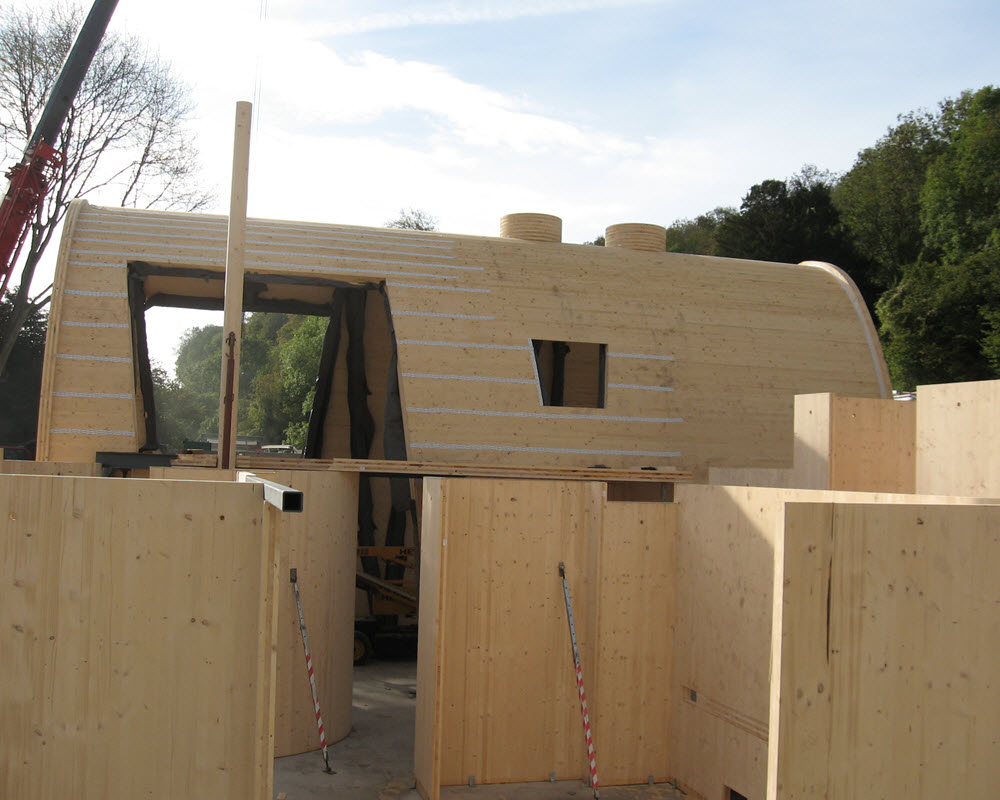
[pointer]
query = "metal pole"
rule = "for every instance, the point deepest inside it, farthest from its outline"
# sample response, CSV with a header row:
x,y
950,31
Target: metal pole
x,y
579,685
73,71
309,666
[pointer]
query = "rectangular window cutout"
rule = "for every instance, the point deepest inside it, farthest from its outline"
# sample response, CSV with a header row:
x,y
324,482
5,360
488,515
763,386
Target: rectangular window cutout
x,y
570,374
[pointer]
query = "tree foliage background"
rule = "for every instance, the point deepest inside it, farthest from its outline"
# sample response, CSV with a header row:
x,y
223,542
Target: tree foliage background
x,y
125,137
915,222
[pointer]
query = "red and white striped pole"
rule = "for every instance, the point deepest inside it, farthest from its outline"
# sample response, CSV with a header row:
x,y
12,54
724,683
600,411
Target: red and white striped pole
x,y
579,685
309,666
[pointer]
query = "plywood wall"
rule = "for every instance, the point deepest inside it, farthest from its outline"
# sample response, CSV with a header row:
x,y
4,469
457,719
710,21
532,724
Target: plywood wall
x,y
135,642
958,427
497,695
321,544
888,653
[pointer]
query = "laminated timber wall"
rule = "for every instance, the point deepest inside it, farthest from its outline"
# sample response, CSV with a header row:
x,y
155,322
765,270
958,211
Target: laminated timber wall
x,y
702,355
496,687
888,653
958,427
849,444
320,543
136,620
679,611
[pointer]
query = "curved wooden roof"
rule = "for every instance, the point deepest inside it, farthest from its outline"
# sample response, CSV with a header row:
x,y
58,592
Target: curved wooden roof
x,y
701,356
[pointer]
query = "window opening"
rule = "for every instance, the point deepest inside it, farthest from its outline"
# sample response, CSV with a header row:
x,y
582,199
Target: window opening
x,y
570,374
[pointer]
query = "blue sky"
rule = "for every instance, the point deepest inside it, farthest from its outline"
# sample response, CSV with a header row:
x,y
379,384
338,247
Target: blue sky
x,y
594,110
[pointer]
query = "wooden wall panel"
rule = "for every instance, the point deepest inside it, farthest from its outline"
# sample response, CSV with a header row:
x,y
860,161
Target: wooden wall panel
x,y
509,707
321,544
134,639
727,540
889,619
497,693
77,469
842,444
633,687
873,445
720,344
730,544
958,426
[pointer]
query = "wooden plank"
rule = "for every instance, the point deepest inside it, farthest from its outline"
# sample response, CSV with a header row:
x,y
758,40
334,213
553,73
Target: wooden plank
x,y
232,326
908,707
813,434
958,425
50,468
798,753
506,685
376,466
636,614
320,543
131,649
430,644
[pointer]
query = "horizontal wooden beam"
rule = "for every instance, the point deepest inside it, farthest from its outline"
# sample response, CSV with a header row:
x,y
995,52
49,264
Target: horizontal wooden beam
x,y
429,468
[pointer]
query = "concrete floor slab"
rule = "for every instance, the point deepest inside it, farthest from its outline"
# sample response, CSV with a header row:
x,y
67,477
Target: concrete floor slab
x,y
375,761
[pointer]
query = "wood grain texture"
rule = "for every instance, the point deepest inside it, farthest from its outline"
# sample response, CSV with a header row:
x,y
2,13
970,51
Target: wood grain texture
x,y
958,426
721,345
320,543
842,444
131,639
887,657
496,685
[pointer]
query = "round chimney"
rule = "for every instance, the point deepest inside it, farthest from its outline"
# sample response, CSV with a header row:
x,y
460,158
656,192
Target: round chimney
x,y
531,227
637,236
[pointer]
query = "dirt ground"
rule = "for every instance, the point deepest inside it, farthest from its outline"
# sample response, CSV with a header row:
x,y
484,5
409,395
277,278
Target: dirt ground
x,y
375,762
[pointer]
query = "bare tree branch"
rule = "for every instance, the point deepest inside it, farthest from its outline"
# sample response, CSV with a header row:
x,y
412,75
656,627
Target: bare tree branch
x,y
126,130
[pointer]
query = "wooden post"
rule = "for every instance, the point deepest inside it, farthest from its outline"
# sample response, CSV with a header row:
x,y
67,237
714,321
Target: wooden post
x,y
232,326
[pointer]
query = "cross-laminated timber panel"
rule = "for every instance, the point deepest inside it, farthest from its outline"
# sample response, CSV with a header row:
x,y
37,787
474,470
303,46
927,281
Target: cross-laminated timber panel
x,y
496,696
848,444
958,427
886,681
703,355
136,626
730,557
320,544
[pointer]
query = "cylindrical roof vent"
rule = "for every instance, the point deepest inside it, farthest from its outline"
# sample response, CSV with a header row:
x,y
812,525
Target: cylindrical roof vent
x,y
531,227
636,236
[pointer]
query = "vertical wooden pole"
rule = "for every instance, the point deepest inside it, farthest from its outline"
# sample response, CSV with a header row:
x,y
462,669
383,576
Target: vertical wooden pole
x,y
232,326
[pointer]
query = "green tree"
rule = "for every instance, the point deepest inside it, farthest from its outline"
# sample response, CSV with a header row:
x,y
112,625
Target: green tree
x,y
879,198
300,358
942,322
960,200
697,235
793,221
21,383
125,136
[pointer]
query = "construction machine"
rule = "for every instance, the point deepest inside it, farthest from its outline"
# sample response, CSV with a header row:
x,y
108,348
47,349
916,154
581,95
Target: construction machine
x,y
31,176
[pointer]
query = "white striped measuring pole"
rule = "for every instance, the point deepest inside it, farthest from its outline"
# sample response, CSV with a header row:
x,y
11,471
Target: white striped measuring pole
x,y
309,666
579,685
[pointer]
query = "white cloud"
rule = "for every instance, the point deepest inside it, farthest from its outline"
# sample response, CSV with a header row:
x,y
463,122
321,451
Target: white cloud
x,y
408,15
